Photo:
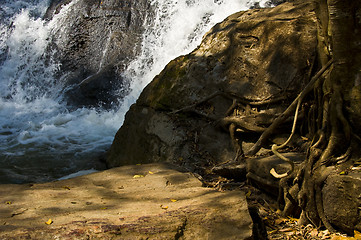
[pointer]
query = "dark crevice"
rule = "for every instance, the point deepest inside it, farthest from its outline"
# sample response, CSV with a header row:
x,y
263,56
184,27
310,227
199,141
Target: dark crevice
x,y
259,229
180,230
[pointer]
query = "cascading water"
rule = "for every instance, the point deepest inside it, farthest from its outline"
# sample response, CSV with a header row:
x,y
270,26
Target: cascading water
x,y
41,139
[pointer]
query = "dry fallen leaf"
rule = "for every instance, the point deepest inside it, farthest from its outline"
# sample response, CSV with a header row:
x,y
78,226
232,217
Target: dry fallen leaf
x,y
138,176
49,221
173,200
356,168
341,238
280,220
287,230
314,233
293,219
357,234
272,231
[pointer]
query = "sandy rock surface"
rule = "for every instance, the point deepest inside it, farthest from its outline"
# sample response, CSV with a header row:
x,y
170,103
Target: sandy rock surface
x,y
154,201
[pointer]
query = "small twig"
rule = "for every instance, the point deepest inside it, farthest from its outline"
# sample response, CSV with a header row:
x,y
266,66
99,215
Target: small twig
x,y
198,103
232,107
231,96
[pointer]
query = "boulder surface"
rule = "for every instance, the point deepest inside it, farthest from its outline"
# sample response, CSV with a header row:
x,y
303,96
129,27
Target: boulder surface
x,y
155,201
254,63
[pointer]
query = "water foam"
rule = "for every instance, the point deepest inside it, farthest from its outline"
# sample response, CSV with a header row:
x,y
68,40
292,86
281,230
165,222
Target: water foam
x,y
177,29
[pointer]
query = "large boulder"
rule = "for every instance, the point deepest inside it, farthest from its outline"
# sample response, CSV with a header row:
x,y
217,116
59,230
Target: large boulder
x,y
94,41
254,57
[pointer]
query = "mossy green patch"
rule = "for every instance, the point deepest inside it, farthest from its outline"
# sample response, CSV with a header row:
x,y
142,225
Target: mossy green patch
x,y
165,86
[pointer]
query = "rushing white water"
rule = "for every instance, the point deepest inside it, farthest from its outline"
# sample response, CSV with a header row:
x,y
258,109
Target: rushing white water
x,y
40,138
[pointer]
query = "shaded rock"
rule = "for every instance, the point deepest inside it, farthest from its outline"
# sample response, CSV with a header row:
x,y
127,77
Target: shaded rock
x,y
163,202
236,172
94,41
258,170
54,8
341,197
255,55
97,89
259,229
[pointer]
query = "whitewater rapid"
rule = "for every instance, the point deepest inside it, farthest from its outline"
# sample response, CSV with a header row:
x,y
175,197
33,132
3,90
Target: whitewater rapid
x,y
41,138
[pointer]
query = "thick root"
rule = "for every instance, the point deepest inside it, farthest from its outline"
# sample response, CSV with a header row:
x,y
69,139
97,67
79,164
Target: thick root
x,y
275,148
288,112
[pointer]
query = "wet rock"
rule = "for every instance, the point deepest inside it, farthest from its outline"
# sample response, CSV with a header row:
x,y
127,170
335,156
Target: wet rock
x,y
236,172
98,89
54,8
254,55
94,41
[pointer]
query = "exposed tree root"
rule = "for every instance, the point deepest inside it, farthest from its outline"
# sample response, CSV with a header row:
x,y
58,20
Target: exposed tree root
x,y
198,103
236,144
275,148
266,134
232,122
233,96
331,145
246,123
300,188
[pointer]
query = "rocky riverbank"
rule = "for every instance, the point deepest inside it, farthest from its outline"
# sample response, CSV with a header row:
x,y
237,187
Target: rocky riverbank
x,y
155,201
203,113
206,110
152,201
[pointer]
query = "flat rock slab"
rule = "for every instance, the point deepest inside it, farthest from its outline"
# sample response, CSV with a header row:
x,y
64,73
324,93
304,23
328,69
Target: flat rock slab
x,y
154,201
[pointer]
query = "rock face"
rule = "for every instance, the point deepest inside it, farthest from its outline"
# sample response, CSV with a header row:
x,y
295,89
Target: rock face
x,y
161,203
341,201
253,57
95,40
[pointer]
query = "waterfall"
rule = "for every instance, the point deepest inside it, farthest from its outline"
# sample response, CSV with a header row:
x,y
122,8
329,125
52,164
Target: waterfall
x,y
41,138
